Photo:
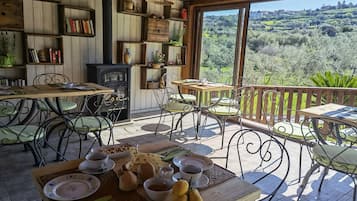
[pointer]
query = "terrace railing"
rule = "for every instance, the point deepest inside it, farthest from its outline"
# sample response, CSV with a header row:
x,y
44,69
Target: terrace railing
x,y
292,99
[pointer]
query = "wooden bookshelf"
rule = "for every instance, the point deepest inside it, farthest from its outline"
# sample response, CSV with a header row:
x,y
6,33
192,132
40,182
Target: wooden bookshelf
x,y
76,25
51,55
133,7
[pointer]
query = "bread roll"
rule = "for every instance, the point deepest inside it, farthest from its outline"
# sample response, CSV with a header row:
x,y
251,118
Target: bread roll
x,y
146,171
128,181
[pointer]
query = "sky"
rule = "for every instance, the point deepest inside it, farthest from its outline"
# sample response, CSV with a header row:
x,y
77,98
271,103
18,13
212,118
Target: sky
x,y
286,5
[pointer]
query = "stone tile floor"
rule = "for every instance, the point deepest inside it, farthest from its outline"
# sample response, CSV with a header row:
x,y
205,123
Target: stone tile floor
x,y
15,166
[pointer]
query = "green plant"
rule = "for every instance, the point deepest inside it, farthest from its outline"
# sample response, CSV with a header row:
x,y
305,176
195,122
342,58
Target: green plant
x,y
329,79
158,57
7,44
176,38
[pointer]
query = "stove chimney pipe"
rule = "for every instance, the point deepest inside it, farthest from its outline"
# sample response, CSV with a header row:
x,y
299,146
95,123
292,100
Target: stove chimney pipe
x,y
107,32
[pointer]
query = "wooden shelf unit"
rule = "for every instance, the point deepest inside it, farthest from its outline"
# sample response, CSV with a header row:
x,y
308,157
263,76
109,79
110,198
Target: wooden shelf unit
x,y
182,55
86,25
121,49
141,11
57,39
148,83
51,1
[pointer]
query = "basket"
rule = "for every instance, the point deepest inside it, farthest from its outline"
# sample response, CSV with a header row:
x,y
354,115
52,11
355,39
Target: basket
x,y
153,85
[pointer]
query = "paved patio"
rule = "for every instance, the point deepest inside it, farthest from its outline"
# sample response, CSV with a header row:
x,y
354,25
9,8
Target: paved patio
x,y
15,167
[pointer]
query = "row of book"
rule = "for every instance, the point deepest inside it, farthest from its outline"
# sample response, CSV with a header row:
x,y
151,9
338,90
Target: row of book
x,y
48,55
6,82
79,26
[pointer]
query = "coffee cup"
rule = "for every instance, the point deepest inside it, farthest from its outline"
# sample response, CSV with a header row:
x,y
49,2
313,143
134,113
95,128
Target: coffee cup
x,y
96,160
191,173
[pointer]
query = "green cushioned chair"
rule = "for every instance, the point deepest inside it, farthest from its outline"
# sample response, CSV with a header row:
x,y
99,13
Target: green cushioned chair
x,y
224,101
170,101
189,98
293,130
339,155
65,105
343,159
223,108
7,111
90,123
19,134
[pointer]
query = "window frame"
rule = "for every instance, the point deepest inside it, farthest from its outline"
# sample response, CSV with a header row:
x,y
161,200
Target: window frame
x,y
241,38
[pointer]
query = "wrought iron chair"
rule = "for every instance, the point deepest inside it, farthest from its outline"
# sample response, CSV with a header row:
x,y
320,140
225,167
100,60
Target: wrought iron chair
x,y
172,106
339,156
97,115
259,158
283,125
223,108
54,79
19,123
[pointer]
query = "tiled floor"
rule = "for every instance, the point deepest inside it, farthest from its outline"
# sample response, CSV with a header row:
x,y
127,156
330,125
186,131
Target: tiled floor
x,y
15,166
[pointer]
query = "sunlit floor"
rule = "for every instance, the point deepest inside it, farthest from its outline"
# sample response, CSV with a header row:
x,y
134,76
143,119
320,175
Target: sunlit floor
x,y
15,166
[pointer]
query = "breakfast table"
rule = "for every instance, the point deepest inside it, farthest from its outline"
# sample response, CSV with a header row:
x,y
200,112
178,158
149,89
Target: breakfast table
x,y
225,185
202,89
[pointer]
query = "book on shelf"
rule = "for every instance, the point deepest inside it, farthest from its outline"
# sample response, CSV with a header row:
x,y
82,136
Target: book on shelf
x,y
84,26
48,55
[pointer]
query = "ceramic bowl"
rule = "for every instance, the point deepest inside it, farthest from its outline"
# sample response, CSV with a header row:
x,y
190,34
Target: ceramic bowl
x,y
96,160
153,190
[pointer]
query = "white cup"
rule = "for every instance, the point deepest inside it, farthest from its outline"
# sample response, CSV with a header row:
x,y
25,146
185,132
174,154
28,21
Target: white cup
x,y
96,160
191,173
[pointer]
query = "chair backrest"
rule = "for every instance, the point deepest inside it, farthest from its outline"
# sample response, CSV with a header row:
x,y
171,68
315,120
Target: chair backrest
x,y
108,105
333,131
260,159
50,78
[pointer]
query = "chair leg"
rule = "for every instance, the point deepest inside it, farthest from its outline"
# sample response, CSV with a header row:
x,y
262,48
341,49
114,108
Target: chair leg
x,y
223,131
29,147
181,116
158,124
300,161
172,126
306,179
324,173
355,187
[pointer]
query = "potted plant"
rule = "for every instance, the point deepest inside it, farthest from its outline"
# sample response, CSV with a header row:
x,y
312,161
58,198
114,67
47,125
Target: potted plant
x,y
7,49
176,37
158,59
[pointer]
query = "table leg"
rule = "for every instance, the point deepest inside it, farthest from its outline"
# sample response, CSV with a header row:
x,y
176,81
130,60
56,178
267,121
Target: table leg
x,y
199,113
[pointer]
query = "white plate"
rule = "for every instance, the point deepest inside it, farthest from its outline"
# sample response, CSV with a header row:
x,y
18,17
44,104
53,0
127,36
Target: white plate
x,y
71,187
202,182
84,168
193,159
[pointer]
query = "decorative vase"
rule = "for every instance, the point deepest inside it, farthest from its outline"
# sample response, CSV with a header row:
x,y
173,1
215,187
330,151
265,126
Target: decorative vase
x,y
7,61
184,13
127,56
156,65
129,5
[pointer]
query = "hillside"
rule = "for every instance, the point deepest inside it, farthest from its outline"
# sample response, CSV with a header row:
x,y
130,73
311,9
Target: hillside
x,y
292,44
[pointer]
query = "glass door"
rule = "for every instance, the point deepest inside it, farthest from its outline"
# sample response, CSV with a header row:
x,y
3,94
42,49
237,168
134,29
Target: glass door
x,y
218,45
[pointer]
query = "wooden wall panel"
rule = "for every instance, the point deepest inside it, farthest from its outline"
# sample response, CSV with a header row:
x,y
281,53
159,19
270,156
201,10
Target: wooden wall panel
x,y
42,17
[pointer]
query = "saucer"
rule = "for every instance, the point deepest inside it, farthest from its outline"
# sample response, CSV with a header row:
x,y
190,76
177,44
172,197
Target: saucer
x,y
83,167
202,182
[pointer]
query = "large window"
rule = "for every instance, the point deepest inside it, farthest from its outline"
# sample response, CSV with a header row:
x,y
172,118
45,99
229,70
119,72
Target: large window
x,y
218,42
218,46
290,41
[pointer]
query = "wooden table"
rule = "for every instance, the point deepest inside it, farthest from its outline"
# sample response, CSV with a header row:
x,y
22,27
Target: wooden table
x,y
201,89
333,111
232,189
47,91
52,91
